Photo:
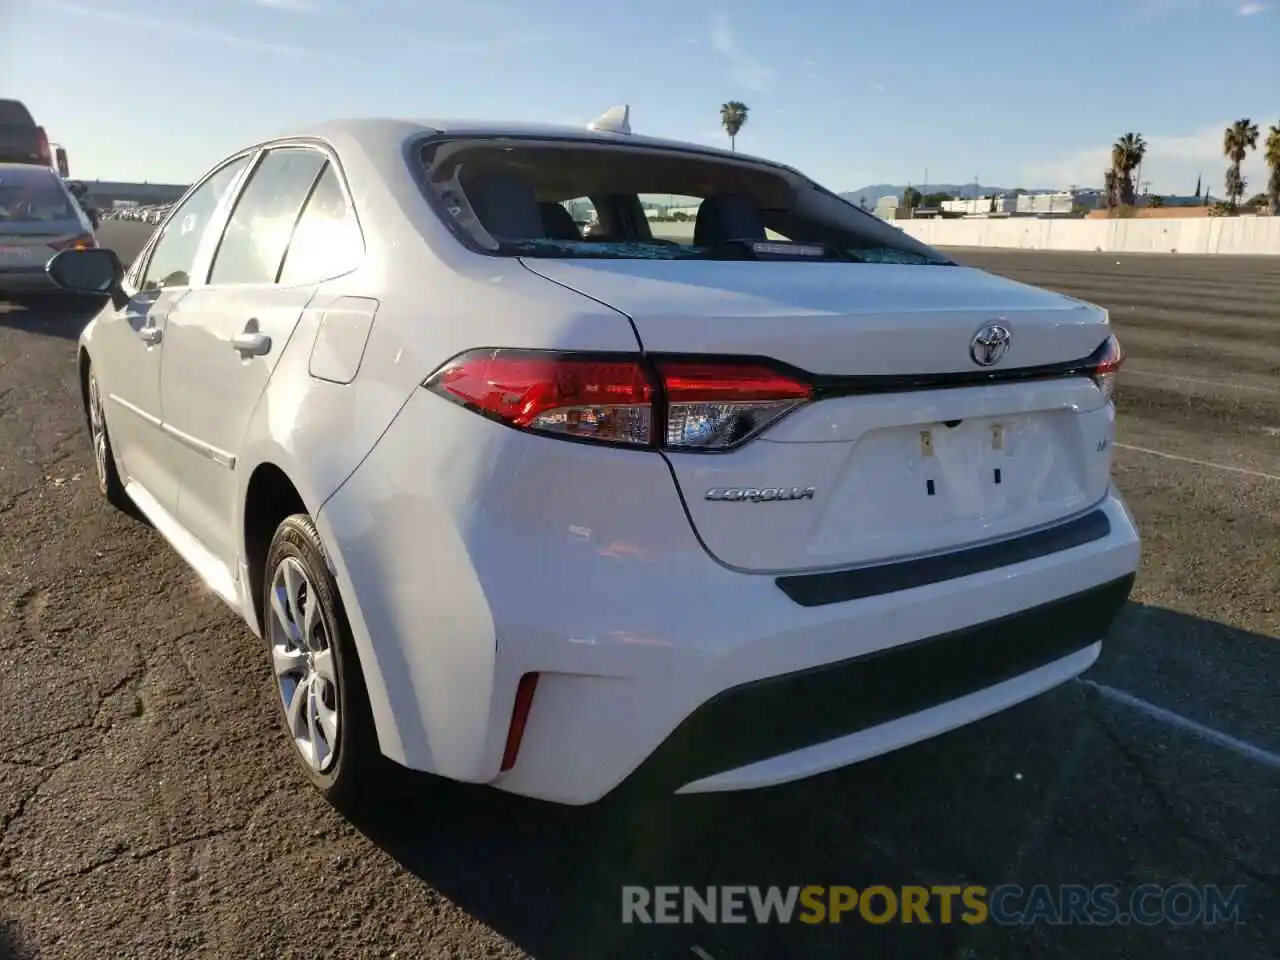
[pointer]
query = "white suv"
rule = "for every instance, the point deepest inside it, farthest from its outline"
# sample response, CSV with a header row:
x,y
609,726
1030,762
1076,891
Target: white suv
x,y
720,509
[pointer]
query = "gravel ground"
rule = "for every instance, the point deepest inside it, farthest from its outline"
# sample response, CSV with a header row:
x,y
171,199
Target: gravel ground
x,y
149,805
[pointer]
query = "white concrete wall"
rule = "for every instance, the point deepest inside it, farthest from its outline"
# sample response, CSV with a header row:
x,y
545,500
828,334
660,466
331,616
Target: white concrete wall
x,y
1228,235
1225,235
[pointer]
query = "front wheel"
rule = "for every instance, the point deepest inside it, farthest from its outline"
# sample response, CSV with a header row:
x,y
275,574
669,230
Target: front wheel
x,y
319,684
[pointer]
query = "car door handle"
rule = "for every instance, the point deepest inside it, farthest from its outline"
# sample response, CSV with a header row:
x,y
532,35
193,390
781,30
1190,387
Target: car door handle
x,y
251,344
151,335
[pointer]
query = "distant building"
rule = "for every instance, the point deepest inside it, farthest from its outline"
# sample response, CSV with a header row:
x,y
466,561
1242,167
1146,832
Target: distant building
x,y
979,205
1061,203
886,208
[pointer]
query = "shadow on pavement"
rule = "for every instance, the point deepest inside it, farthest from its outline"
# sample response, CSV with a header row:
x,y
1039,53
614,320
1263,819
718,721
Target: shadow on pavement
x,y
1059,790
12,945
49,316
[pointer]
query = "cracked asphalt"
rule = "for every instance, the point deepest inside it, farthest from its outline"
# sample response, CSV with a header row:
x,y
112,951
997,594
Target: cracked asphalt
x,y
149,805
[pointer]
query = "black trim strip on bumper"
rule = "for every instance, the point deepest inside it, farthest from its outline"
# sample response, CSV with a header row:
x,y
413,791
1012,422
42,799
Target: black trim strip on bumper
x,y
779,715
819,589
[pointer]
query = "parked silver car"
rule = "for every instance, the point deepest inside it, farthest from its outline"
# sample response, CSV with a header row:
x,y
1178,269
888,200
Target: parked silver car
x,y
38,218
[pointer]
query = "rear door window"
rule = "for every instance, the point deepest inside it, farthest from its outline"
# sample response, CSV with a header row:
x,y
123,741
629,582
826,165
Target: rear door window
x,y
327,241
257,235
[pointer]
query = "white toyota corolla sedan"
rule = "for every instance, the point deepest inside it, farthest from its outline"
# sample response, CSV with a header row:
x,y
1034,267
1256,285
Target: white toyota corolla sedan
x,y
747,487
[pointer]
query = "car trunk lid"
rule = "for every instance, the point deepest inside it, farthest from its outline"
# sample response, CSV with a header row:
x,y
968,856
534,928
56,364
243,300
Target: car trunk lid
x,y
911,446
28,246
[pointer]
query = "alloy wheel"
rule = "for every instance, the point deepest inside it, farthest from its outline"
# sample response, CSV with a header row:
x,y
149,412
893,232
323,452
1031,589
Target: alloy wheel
x,y
98,433
303,660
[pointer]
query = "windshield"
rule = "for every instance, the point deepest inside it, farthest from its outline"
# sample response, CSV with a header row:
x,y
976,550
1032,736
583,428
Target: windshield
x,y
570,200
33,198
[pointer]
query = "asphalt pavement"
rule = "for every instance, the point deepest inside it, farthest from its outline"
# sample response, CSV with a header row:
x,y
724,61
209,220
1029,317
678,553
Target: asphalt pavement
x,y
150,808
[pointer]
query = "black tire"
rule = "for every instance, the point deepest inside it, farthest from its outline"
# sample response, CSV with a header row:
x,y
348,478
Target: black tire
x,y
354,780
104,460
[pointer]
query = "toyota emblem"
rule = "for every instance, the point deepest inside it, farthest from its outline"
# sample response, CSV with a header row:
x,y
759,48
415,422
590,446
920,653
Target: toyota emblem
x,y
989,344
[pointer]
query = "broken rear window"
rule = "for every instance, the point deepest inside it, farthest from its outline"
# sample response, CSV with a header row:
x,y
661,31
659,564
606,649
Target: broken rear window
x,y
582,200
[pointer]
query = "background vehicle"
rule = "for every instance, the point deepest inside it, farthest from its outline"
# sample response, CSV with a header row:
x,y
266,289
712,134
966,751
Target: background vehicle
x,y
38,218
79,191
21,139
516,507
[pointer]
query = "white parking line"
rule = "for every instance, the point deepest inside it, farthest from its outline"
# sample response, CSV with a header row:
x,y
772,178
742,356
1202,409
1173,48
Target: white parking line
x,y
1239,747
1199,463
1210,383
701,954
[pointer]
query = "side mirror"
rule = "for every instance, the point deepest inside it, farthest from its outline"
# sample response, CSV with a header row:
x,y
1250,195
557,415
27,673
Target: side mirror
x,y
94,271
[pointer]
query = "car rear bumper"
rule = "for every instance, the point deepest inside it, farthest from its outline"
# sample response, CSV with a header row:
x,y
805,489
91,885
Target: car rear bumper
x,y
802,723
26,280
466,566
777,703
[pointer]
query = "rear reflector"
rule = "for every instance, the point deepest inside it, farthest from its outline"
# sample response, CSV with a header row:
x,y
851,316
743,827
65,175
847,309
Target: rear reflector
x,y
519,718
621,399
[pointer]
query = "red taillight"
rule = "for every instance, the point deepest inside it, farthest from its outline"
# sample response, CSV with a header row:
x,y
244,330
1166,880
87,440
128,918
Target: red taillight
x,y
42,147
1104,374
86,241
610,400
519,718
677,404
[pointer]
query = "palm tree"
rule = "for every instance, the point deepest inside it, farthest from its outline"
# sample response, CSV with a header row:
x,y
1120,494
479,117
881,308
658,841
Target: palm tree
x,y
1237,140
1127,154
1272,156
733,117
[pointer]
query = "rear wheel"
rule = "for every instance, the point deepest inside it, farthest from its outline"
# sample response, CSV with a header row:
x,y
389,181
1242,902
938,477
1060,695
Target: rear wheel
x,y
104,459
319,684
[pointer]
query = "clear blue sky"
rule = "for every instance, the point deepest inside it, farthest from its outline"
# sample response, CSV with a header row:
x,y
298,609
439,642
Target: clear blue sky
x,y
1021,94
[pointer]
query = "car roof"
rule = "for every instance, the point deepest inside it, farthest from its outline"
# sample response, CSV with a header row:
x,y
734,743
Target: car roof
x,y
393,132
15,112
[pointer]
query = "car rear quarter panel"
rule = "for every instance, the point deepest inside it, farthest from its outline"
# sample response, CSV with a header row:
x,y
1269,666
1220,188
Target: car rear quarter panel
x,y
428,309
435,300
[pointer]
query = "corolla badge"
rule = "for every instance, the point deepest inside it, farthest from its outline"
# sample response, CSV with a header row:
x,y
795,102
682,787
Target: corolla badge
x,y
989,344
759,494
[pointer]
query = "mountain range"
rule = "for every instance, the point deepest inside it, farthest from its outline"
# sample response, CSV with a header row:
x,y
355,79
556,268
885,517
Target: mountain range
x,y
875,191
